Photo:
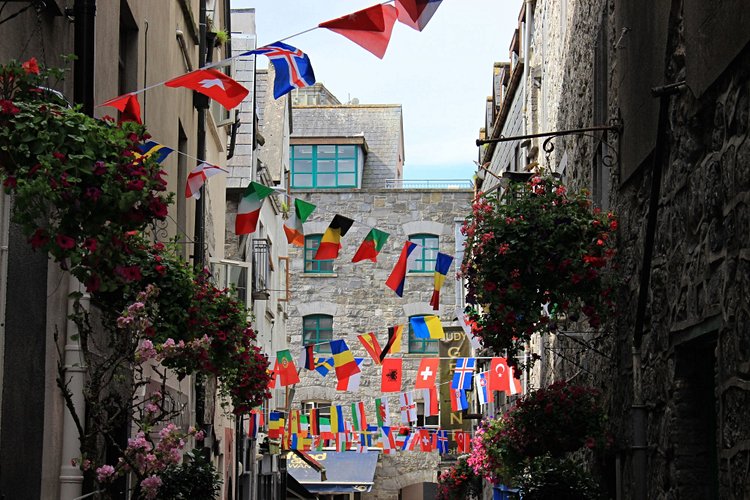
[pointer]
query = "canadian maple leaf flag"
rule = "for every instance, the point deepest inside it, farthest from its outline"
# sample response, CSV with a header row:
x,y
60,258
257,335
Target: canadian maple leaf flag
x,y
213,84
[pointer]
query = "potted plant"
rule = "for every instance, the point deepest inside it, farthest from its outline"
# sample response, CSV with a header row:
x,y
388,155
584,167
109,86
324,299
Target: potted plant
x,y
459,482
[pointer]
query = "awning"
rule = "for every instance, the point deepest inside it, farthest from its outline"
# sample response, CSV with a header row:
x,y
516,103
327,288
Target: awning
x,y
347,471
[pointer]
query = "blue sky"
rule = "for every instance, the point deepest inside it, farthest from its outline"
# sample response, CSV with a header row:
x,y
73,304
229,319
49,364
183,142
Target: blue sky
x,y
441,76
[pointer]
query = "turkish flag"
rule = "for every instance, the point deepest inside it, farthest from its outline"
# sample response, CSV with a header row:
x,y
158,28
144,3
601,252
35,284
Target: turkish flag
x,y
369,28
130,109
213,84
501,377
391,375
427,373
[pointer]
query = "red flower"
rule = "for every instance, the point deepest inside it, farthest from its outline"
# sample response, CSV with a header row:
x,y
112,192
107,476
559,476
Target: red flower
x,y
129,273
93,283
31,66
93,193
11,182
162,270
99,168
59,155
65,242
8,107
90,244
158,207
39,239
136,185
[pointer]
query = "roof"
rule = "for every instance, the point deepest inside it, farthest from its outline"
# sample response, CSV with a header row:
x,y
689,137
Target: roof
x,y
347,472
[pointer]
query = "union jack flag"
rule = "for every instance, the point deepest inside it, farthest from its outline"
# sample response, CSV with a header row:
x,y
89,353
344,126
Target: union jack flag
x,y
293,68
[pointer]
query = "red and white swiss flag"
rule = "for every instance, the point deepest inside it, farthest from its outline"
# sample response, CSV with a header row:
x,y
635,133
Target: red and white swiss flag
x,y
213,84
427,373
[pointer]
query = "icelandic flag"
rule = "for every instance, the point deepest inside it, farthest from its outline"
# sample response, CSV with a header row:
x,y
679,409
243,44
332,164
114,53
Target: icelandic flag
x,y
463,373
293,67
442,442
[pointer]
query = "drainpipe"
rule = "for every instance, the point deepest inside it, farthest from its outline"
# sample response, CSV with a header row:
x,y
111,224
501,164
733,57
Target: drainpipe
x,y
84,12
71,477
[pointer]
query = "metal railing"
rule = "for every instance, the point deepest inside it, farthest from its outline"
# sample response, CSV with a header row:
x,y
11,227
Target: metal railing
x,y
261,269
428,184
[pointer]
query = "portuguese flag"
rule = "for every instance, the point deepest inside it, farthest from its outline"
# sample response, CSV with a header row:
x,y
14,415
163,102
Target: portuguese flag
x,y
330,243
371,246
249,209
286,369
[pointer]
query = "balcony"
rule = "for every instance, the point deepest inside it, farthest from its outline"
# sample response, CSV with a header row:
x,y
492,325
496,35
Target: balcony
x,y
261,269
428,184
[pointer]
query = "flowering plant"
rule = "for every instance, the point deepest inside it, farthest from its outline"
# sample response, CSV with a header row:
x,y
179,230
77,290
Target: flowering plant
x,y
538,253
547,478
459,482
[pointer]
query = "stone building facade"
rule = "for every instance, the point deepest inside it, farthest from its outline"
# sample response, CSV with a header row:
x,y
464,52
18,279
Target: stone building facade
x,y
673,364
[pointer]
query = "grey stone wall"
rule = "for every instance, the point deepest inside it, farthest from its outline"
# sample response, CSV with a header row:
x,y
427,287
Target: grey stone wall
x,y
360,302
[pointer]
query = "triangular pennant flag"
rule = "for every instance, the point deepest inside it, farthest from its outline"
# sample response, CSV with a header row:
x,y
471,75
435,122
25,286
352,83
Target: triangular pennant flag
x,y
371,345
213,84
286,369
369,28
198,176
293,68
391,375
153,149
371,246
343,361
330,243
416,13
127,104
394,341
398,276
249,208
442,265
295,235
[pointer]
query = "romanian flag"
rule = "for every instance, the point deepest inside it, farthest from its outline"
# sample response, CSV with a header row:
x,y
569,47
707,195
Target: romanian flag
x,y
153,149
249,209
394,341
330,243
427,327
343,360
286,369
442,264
371,246
359,418
275,425
295,235
396,280
371,345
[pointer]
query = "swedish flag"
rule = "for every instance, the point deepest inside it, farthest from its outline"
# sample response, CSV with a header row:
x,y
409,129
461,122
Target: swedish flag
x,y
158,151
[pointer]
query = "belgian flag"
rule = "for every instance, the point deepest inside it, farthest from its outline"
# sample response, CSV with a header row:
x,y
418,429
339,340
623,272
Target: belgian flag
x,y
330,243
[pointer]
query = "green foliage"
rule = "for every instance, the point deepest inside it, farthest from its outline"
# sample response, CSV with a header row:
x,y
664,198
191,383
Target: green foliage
x,y
195,479
535,255
459,482
547,478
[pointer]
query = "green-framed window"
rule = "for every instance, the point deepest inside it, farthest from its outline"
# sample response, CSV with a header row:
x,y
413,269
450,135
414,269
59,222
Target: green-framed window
x,y
421,346
326,166
312,242
426,253
318,328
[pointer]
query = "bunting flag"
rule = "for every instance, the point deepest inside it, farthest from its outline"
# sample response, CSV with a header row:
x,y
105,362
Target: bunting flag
x,y
295,234
273,376
293,67
387,442
416,13
483,393
314,422
275,425
371,246
198,176
359,418
304,425
442,442
462,374
463,442
293,423
427,373
391,375
342,441
351,383
458,400
382,412
425,442
463,320
408,408
286,369
442,265
249,208
128,106
371,345
343,361
255,422
307,357
502,378
369,28
214,84
394,341
153,149
337,419
323,365
431,403
410,444
325,426
427,327
330,243
398,276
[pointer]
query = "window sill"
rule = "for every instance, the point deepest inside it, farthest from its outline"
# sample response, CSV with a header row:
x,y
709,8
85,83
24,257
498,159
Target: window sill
x,y
320,275
425,274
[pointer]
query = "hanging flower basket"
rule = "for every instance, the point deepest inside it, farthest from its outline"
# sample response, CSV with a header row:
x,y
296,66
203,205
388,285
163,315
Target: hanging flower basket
x,y
459,482
533,256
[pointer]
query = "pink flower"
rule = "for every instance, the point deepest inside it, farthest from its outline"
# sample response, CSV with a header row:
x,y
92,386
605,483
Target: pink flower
x,y
65,242
150,486
93,193
100,168
105,473
136,185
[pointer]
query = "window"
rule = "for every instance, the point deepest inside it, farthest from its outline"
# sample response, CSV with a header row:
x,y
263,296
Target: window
x,y
324,166
423,421
426,253
421,346
323,407
317,329
312,243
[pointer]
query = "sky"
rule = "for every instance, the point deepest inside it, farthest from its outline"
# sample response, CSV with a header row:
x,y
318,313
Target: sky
x,y
441,76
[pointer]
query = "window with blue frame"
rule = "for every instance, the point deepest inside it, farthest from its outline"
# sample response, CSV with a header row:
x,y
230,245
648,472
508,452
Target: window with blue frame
x,y
324,166
426,253
317,329
312,242
421,346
